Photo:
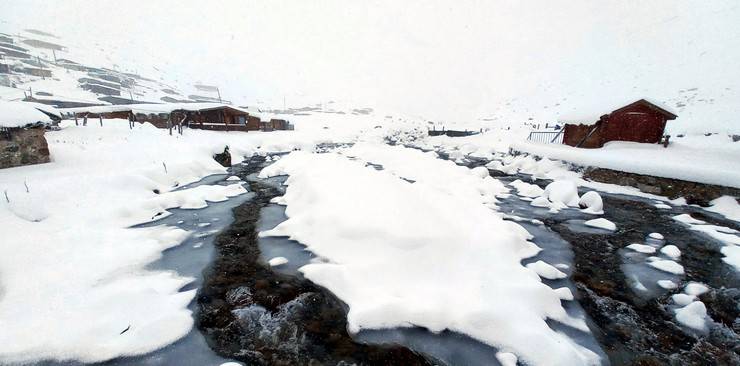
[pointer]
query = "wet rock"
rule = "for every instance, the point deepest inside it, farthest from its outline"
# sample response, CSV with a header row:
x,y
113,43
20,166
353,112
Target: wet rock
x,y
722,305
239,297
223,158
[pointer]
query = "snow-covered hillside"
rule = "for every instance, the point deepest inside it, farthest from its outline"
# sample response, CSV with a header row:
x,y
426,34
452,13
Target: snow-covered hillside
x,y
489,64
65,72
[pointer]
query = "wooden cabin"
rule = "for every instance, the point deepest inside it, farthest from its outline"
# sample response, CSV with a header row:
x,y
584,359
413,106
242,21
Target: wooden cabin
x,y
205,116
640,121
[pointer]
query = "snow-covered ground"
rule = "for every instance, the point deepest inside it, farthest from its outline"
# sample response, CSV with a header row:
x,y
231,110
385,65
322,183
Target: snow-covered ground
x,y
72,274
430,253
405,238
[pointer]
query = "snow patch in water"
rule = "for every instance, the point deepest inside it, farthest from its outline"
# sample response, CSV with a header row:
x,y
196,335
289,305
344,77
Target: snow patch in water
x,y
601,223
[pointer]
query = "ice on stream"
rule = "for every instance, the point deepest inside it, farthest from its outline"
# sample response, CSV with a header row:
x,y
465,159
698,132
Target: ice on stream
x,y
189,259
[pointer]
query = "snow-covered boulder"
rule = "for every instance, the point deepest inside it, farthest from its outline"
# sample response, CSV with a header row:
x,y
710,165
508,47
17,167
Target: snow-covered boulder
x,y
693,315
564,191
540,202
601,223
671,251
527,189
591,203
656,236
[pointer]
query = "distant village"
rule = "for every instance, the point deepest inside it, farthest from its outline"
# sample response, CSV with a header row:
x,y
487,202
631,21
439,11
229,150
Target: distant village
x,y
98,93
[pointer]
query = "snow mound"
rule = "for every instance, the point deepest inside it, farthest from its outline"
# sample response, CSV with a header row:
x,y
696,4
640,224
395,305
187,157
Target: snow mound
x,y
545,270
693,315
642,248
695,289
667,284
540,202
671,251
682,299
656,236
666,265
591,203
601,223
277,261
526,189
687,219
726,206
506,358
564,191
382,237
480,172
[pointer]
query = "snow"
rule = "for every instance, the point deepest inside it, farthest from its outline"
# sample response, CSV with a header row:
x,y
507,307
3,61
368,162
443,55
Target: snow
x,y
77,213
671,251
430,253
506,358
546,271
642,248
20,114
601,223
729,237
526,189
667,284
277,261
667,266
592,203
656,236
564,293
703,159
693,315
682,299
562,191
695,289
540,202
149,108
687,219
726,206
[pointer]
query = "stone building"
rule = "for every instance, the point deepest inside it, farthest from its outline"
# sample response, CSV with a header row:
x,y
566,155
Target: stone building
x,y
22,128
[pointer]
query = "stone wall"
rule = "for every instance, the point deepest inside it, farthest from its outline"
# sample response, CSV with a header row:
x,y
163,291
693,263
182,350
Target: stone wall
x,y
696,193
23,147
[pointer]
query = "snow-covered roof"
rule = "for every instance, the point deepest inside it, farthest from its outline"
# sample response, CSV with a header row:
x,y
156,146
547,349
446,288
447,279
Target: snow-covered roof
x,y
589,113
154,108
45,108
21,114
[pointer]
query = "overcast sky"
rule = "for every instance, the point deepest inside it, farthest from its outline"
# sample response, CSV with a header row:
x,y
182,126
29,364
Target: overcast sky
x,y
452,59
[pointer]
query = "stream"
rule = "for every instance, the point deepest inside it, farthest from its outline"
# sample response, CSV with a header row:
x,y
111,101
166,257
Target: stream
x,y
250,311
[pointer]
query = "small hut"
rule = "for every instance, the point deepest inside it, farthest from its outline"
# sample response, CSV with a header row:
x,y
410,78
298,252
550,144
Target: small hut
x,y
640,121
22,128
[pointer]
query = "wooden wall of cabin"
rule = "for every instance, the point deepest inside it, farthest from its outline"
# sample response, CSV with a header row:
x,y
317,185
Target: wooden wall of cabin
x,y
639,123
574,134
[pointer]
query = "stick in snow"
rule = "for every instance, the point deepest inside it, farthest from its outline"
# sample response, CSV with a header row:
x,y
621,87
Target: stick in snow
x,y
125,330
26,184
6,196
165,167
